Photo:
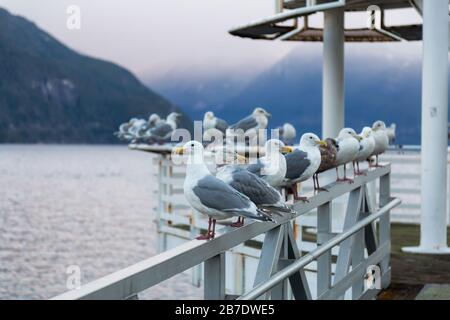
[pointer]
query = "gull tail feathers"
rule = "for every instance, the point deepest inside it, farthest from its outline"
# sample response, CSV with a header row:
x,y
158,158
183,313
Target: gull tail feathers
x,y
259,215
278,210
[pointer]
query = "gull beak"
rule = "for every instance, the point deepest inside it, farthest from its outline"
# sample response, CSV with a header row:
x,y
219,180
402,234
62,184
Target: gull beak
x,y
286,149
322,143
268,114
241,159
359,138
179,150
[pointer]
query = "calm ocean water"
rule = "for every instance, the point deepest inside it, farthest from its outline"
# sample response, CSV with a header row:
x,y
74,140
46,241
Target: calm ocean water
x,y
88,206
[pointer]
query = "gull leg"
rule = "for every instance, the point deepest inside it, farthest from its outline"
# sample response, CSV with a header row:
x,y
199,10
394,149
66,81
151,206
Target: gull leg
x,y
208,233
239,223
318,188
296,196
345,175
213,232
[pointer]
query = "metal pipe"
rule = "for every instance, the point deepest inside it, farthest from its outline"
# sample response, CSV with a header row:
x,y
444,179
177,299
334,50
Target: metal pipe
x,y
313,255
333,117
286,15
433,228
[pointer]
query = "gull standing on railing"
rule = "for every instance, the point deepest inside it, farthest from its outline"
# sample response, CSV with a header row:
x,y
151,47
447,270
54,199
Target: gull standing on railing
x,y
249,127
366,147
210,195
287,133
210,121
328,154
303,163
348,148
271,167
259,191
162,132
381,140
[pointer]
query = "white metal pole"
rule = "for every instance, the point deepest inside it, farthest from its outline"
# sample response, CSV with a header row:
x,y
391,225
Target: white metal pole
x,y
433,226
333,73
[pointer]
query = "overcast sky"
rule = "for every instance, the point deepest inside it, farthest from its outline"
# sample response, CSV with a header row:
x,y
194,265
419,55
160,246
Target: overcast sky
x,y
152,37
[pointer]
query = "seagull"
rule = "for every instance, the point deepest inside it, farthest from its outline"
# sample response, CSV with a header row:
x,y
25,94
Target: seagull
x,y
153,120
287,133
210,121
210,195
251,125
328,155
271,167
259,191
163,130
137,129
303,163
381,139
391,133
366,147
217,158
348,148
124,130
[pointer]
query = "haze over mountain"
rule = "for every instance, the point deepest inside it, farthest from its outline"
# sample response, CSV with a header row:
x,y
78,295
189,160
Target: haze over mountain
x,y
378,86
50,93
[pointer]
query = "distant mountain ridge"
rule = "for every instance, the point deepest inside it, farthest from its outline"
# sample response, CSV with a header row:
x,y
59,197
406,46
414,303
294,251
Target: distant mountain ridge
x,y
378,86
50,93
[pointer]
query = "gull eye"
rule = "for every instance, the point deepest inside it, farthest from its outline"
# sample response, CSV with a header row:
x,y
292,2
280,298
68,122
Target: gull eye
x,y
192,145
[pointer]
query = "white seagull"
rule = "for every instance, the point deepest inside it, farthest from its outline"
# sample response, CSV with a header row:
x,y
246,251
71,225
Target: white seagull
x,y
303,163
287,133
271,167
162,132
381,139
348,148
210,121
250,125
259,191
210,195
366,147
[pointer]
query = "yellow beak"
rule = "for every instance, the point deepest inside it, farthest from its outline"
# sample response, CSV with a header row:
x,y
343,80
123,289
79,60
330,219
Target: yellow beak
x,y
322,143
241,159
359,138
286,149
179,150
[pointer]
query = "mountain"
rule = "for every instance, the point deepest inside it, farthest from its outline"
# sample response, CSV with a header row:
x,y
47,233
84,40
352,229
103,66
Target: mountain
x,y
200,91
377,87
50,93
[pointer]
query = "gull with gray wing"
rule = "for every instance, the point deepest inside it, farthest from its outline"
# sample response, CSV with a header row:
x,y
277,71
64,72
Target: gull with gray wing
x,y
211,196
303,163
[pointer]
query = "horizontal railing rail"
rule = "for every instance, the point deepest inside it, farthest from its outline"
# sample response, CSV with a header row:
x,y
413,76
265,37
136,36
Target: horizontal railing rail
x,y
315,254
129,282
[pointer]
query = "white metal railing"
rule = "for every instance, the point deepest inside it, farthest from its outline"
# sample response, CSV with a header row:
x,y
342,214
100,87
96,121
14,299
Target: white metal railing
x,y
362,243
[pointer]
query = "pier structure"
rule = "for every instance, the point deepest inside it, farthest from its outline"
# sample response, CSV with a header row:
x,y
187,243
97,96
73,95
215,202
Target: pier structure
x,y
352,264
285,25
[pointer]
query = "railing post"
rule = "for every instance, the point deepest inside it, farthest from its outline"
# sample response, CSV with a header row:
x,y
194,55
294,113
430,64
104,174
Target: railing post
x,y
323,235
385,221
214,278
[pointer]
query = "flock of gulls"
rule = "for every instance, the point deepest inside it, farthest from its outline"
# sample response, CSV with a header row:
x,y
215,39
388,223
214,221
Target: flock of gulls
x,y
152,131
222,183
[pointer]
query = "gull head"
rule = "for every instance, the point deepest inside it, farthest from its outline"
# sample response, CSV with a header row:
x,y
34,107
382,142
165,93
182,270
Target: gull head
x,y
261,112
173,117
190,148
209,115
153,118
379,125
348,133
366,132
276,146
311,140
